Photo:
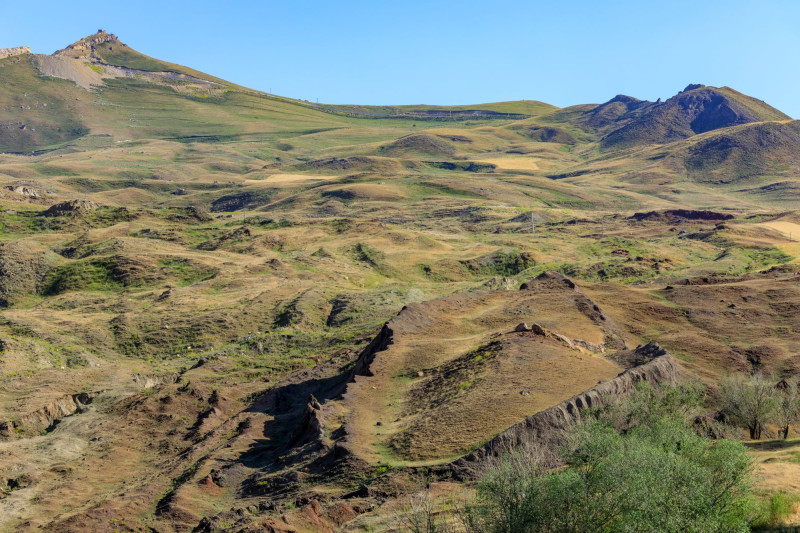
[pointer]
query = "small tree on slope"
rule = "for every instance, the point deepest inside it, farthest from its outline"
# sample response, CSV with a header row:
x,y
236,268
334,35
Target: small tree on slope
x,y
788,405
750,401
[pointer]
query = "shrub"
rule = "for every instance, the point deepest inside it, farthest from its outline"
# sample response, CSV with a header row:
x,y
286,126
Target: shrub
x,y
652,473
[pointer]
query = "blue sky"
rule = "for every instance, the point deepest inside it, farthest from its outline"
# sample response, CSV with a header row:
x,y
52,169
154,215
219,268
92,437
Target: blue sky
x,y
447,52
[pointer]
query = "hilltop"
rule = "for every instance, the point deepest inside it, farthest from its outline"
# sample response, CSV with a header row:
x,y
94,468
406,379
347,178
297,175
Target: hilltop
x,y
222,309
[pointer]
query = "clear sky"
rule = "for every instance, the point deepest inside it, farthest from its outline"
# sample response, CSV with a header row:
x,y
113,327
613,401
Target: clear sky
x,y
447,52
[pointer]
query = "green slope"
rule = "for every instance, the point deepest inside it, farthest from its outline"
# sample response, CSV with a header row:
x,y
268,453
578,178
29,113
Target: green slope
x,y
37,112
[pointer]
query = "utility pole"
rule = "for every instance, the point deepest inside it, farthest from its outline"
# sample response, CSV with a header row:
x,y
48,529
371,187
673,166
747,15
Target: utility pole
x,y
244,218
533,224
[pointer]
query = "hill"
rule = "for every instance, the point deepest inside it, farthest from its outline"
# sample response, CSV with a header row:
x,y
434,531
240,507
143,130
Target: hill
x,y
747,153
106,49
696,109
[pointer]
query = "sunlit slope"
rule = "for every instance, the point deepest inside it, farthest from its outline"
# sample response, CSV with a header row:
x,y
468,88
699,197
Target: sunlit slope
x,y
36,111
43,112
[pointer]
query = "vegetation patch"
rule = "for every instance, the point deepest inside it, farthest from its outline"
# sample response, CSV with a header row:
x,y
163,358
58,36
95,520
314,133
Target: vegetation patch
x,y
92,275
463,166
236,202
500,263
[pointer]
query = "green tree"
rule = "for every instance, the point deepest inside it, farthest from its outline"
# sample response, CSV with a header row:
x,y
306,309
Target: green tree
x,y
750,401
788,405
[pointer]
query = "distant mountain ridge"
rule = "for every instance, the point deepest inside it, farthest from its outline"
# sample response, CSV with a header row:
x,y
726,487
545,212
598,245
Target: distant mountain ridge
x,y
714,135
696,109
621,108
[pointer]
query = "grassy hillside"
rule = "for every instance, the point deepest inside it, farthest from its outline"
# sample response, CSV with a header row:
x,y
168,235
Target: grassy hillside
x,y
748,154
121,55
37,112
518,109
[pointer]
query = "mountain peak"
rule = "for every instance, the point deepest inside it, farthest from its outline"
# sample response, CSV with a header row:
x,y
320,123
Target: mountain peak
x,y
693,86
624,98
84,47
696,109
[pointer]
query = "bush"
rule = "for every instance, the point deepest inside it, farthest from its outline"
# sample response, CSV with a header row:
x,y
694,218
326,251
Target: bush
x,y
639,467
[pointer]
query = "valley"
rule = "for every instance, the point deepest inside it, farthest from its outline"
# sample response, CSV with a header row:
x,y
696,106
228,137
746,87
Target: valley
x,y
226,310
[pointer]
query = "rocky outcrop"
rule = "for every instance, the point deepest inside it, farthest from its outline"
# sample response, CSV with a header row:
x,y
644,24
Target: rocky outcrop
x,y
673,215
639,356
70,207
146,381
367,355
590,346
548,280
310,427
47,416
24,191
84,47
16,51
546,429
575,344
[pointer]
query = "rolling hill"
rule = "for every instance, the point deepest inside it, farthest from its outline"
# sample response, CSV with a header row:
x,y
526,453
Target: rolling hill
x,y
696,109
225,310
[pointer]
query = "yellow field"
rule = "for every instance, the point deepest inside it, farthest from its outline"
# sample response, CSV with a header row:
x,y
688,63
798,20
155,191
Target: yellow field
x,y
513,163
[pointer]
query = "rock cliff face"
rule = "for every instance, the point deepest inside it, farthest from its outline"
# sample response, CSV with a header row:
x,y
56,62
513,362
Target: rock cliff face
x,y
16,51
545,430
